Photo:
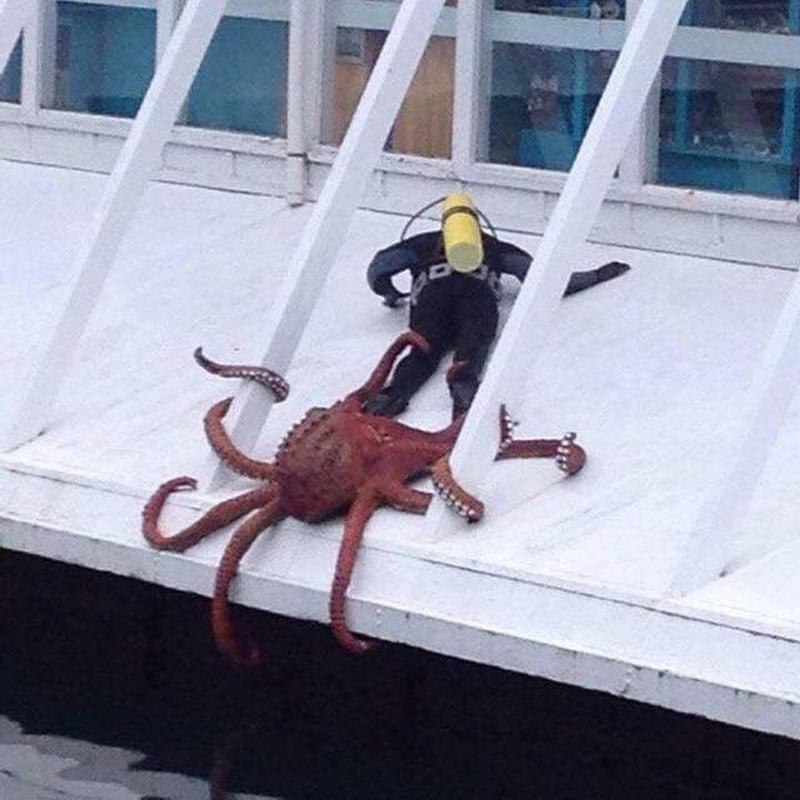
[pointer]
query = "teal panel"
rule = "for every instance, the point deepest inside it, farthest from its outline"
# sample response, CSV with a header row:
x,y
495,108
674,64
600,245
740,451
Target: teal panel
x,y
11,79
105,59
729,127
241,84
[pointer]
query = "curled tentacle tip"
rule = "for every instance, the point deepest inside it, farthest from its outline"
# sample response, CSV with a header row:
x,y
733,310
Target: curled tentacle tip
x,y
244,659
182,482
351,643
360,647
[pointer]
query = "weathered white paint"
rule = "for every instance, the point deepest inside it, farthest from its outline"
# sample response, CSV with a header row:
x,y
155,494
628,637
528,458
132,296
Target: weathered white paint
x,y
14,14
334,210
133,169
572,219
774,386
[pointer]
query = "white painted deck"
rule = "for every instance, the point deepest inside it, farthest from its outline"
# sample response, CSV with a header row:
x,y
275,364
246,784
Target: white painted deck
x,y
563,578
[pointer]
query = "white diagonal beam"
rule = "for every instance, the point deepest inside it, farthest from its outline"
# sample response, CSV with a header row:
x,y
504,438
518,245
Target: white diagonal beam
x,y
135,165
512,362
770,394
326,229
14,15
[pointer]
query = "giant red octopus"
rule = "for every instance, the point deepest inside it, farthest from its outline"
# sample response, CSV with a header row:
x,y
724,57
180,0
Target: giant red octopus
x,y
336,460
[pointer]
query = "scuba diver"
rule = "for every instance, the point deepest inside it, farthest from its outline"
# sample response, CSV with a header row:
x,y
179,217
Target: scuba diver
x,y
455,290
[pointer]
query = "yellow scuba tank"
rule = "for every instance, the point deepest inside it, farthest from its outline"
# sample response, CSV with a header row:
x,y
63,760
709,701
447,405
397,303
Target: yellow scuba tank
x,y
463,245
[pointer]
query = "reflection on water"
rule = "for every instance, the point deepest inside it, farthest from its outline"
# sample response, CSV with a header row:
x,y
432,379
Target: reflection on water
x,y
110,689
55,768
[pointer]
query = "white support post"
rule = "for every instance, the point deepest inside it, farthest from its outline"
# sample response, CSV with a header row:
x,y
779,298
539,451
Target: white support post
x,y
14,15
468,98
571,221
774,385
337,204
639,164
136,163
39,57
296,144
320,67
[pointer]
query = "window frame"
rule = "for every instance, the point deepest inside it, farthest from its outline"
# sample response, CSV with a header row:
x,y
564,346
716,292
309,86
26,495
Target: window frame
x,y
475,25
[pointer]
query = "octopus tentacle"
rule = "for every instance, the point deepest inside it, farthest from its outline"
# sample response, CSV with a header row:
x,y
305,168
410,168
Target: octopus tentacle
x,y
377,379
364,504
266,377
227,451
241,541
570,456
405,498
454,496
215,518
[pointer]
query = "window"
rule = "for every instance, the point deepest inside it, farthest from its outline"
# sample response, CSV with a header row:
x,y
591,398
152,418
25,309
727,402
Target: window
x,y
424,123
105,57
545,81
241,84
729,127
11,79
760,16
594,9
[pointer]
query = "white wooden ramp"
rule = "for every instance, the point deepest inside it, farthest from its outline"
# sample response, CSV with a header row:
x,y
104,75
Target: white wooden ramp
x,y
567,579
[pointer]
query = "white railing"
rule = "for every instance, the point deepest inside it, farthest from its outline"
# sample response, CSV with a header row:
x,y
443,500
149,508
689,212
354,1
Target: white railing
x,y
135,166
708,551
333,212
527,326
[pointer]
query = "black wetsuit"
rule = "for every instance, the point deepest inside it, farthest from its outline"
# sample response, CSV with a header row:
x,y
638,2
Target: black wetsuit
x,y
452,310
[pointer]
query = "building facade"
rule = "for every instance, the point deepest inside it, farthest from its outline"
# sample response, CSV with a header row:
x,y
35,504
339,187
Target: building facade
x,y
500,103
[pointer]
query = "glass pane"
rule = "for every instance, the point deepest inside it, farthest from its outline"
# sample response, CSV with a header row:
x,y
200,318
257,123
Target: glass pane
x,y
582,9
424,123
763,16
11,79
729,127
542,101
105,57
241,84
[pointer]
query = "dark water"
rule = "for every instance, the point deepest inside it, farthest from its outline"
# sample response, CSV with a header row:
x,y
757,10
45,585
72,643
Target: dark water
x,y
111,689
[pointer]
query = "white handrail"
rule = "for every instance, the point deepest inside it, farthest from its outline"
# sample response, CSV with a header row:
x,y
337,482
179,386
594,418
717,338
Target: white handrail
x,y
775,383
586,186
135,165
337,204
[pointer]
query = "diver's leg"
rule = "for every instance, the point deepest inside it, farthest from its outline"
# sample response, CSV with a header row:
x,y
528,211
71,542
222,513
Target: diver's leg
x,y
430,317
478,319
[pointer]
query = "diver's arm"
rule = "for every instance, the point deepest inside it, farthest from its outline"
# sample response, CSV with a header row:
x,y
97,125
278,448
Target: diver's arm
x,y
579,281
505,257
395,259
513,260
